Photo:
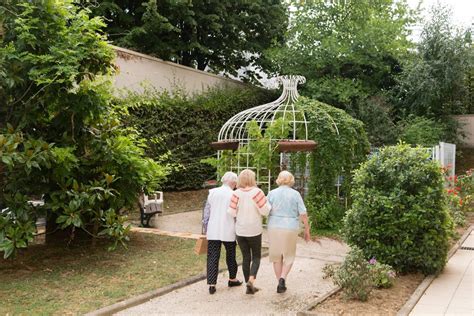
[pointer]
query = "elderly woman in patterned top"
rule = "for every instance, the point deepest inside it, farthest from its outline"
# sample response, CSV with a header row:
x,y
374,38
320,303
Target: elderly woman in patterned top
x,y
248,205
283,225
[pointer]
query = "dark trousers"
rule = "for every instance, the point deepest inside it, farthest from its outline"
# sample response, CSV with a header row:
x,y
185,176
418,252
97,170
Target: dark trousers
x,y
251,248
213,255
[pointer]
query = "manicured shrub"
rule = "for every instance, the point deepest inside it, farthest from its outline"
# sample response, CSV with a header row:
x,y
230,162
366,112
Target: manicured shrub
x,y
179,128
399,213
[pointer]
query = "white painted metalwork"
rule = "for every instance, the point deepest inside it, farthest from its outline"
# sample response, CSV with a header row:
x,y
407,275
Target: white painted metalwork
x,y
445,153
235,129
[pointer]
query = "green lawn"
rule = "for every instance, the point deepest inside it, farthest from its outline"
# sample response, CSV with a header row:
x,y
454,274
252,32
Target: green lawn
x,y
59,280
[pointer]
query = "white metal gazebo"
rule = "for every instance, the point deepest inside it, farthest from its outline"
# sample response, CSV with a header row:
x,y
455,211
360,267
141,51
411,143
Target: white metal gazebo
x,y
234,133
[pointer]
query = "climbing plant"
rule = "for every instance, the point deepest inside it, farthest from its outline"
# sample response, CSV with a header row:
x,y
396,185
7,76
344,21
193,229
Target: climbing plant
x,y
342,144
261,151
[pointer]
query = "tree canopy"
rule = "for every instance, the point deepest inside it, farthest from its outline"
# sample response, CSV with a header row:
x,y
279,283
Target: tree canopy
x,y
212,34
437,78
60,137
347,50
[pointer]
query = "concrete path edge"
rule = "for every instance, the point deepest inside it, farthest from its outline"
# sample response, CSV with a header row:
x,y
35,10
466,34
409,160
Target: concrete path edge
x,y
307,311
145,297
420,290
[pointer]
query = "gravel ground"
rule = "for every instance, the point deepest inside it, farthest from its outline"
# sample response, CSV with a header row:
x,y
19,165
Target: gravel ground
x,y
305,284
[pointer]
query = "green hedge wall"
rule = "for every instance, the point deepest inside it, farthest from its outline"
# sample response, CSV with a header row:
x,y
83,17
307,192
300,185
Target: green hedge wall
x,y
178,128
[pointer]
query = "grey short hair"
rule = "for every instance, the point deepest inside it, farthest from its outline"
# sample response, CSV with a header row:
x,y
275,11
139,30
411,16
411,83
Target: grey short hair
x,y
229,177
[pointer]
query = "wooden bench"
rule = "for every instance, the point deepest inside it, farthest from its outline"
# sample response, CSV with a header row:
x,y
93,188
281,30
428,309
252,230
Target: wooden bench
x,y
150,205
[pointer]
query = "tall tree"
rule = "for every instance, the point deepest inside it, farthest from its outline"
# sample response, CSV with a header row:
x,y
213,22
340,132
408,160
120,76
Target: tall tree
x,y
220,35
437,80
348,50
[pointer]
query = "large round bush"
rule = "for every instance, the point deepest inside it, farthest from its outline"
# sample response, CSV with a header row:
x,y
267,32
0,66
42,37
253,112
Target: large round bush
x,y
399,213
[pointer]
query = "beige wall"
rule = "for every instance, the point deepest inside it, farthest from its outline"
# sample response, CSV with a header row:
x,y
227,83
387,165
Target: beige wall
x,y
467,126
135,68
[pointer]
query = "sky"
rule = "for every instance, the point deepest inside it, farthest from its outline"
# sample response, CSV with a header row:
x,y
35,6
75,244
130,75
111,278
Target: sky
x,y
463,10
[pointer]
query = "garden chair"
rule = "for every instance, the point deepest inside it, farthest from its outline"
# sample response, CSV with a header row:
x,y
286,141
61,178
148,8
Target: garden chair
x,y
150,205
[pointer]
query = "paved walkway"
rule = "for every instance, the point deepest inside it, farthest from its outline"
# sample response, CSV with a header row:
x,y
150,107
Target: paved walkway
x,y
305,282
451,293
187,222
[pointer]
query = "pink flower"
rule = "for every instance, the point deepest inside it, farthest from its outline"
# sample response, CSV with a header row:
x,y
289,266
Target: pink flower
x,y
372,261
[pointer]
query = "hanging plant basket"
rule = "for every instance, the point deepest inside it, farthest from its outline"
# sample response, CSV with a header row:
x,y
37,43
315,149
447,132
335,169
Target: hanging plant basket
x,y
296,145
225,145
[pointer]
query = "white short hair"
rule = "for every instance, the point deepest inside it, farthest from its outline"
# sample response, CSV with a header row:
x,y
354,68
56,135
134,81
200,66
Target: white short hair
x,y
229,177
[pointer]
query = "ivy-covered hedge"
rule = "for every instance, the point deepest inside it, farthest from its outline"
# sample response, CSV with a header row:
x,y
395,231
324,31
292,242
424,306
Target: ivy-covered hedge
x,y
399,214
179,128
342,146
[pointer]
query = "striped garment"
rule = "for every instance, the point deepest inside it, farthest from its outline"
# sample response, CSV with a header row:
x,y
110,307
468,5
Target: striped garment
x,y
248,206
260,199
234,201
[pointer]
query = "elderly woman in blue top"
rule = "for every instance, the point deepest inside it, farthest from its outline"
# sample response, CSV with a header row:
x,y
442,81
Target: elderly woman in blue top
x,y
283,226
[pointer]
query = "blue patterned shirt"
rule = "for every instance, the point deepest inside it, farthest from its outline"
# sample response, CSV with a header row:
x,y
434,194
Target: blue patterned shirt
x,y
287,206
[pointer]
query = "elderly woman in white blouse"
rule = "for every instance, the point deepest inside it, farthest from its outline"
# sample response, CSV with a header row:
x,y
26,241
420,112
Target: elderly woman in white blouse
x,y
220,229
283,226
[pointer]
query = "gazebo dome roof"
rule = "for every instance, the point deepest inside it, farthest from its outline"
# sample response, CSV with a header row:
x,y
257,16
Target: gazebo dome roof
x,y
235,129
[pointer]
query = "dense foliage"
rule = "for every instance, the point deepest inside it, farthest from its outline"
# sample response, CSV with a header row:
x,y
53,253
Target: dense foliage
x,y
179,129
437,80
356,55
419,130
399,213
347,50
460,195
215,34
60,136
342,145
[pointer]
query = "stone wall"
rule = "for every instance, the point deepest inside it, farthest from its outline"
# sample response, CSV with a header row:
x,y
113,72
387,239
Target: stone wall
x,y
467,127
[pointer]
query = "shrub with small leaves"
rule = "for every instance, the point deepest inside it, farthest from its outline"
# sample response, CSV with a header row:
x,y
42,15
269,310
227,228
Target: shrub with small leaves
x,y
354,276
399,212
383,275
